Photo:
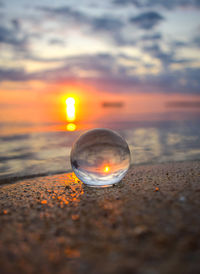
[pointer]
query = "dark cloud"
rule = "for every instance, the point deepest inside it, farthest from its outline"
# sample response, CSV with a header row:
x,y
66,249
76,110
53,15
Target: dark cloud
x,y
113,29
56,42
149,65
154,36
127,57
66,13
147,20
168,4
125,2
166,58
192,78
184,81
11,36
103,23
106,23
13,75
121,40
16,24
154,50
196,41
179,44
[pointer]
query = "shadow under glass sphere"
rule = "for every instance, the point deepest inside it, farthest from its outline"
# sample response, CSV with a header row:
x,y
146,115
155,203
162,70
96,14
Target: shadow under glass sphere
x,y
100,157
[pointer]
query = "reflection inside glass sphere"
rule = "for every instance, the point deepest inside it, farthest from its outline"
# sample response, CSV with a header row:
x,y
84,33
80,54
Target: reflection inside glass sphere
x,y
100,157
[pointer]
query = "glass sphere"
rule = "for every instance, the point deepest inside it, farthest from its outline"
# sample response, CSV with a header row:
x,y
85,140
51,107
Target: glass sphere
x,y
100,157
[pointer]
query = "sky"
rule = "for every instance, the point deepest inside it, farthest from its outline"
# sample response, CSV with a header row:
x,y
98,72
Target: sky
x,y
109,46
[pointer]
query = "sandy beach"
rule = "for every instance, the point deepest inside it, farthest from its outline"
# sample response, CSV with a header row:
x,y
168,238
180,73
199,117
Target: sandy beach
x,y
147,224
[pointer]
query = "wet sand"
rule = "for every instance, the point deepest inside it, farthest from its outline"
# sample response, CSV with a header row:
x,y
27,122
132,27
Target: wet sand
x,y
147,224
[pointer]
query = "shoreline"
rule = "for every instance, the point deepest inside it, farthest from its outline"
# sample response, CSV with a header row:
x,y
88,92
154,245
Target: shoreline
x,y
14,179
148,223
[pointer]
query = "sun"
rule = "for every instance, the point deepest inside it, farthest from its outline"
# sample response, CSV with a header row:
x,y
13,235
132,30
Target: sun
x,y
70,109
70,101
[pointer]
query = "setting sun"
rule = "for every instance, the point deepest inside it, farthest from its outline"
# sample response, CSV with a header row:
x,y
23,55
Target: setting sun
x,y
70,109
70,101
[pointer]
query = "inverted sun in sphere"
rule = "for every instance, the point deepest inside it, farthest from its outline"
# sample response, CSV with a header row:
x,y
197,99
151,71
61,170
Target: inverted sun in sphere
x,y
106,168
100,157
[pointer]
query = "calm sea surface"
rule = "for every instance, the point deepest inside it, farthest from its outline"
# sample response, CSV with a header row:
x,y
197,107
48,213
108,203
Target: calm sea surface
x,y
46,151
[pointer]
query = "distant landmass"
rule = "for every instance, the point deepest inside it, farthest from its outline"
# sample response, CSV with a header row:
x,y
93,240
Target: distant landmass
x,y
108,104
183,104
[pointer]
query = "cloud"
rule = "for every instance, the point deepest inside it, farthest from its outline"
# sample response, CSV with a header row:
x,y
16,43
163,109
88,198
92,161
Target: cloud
x,y
172,81
106,23
196,41
111,72
2,4
169,4
192,75
110,75
94,24
66,13
8,36
14,75
154,36
166,58
13,35
147,20
56,42
179,44
104,66
16,24
101,23
158,53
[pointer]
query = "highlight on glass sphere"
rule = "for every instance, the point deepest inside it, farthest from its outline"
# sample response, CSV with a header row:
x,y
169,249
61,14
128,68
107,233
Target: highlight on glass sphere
x,y
100,157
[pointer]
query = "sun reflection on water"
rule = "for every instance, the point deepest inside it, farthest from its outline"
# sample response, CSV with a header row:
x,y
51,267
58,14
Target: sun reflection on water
x,y
70,127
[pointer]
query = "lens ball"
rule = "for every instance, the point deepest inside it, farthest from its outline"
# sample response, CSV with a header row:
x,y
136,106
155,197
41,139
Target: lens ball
x,y
100,157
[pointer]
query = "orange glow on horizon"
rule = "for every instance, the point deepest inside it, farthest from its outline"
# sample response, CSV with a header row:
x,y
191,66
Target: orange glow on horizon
x,y
81,105
106,169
